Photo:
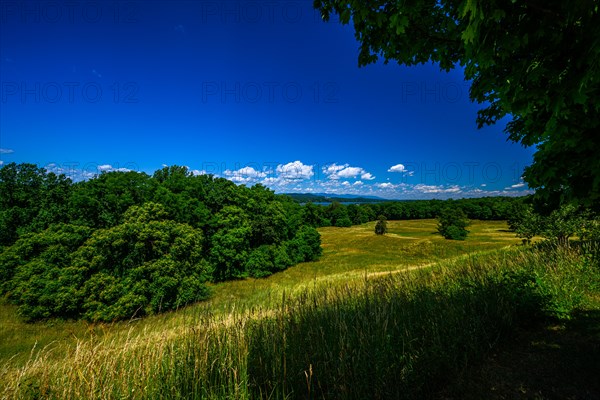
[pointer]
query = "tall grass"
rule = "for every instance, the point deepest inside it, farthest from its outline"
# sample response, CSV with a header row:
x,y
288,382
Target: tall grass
x,y
349,254
401,335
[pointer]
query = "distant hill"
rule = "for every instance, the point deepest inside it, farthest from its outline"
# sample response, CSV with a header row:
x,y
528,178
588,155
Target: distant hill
x,y
327,198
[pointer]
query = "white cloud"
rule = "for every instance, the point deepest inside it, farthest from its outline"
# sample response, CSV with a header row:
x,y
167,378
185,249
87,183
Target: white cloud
x,y
436,189
333,168
240,179
401,169
197,172
6,151
386,185
483,185
244,175
271,181
336,171
350,172
109,168
247,172
295,170
358,183
515,186
398,168
1,162
367,176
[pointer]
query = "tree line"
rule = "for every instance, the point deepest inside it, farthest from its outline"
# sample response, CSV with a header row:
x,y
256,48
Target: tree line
x,y
127,244
340,215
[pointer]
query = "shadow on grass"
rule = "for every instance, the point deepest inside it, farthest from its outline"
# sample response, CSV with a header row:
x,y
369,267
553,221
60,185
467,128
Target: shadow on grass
x,y
546,361
389,342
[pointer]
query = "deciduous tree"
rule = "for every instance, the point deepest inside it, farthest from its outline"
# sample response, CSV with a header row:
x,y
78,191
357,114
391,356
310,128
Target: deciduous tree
x,y
535,63
452,224
381,225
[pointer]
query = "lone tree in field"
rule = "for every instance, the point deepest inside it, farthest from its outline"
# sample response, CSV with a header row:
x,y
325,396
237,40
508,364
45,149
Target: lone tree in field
x,y
452,224
381,226
535,62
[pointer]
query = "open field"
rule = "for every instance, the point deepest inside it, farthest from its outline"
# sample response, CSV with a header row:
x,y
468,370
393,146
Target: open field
x,y
348,326
348,254
356,252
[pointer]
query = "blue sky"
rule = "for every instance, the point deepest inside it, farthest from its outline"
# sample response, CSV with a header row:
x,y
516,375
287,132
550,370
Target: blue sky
x,y
253,91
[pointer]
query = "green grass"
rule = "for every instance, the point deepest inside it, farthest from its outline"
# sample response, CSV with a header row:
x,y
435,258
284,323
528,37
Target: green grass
x,y
349,253
356,252
351,325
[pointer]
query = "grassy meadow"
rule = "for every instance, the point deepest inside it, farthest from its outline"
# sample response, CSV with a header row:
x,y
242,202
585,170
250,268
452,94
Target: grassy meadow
x,y
394,316
348,254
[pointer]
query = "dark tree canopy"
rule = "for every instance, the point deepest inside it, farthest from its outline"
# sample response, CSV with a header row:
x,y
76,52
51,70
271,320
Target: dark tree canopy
x,y
534,62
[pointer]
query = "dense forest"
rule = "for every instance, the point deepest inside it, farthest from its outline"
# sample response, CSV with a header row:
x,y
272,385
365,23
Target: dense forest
x,y
127,244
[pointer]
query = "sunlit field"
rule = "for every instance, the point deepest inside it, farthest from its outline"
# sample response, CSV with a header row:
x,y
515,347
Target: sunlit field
x,y
356,252
348,254
409,307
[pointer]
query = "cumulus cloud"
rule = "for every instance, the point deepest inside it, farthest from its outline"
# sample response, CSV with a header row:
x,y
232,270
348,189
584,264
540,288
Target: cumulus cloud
x,y
1,162
367,176
294,171
398,168
244,175
271,181
6,151
358,183
248,172
386,185
333,168
345,171
350,172
401,169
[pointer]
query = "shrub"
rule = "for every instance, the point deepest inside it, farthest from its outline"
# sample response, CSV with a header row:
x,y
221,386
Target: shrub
x,y
381,226
343,222
452,224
